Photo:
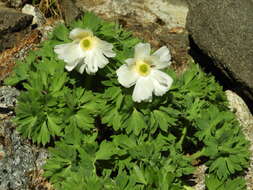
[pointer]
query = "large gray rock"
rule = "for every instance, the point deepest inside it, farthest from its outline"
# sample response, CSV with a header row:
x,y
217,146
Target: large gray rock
x,y
13,27
223,29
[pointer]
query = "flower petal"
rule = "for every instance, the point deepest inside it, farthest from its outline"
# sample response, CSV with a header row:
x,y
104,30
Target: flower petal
x,y
106,48
143,89
142,50
130,61
91,63
70,53
81,66
100,60
162,58
71,66
161,81
126,76
79,33
95,59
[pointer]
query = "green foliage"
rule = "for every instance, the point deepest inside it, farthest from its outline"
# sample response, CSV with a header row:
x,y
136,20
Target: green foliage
x,y
225,144
213,183
104,140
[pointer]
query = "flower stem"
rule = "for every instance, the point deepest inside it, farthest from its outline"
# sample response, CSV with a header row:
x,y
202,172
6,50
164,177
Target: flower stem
x,y
197,154
180,142
88,82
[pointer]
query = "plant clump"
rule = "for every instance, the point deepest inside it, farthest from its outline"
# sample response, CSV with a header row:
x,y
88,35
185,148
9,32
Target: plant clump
x,y
100,138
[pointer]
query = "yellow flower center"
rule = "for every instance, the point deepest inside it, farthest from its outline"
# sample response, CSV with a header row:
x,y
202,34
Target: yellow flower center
x,y
143,68
87,43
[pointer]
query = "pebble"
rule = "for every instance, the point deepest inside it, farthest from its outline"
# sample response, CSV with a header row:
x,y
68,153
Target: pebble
x,y
8,97
38,17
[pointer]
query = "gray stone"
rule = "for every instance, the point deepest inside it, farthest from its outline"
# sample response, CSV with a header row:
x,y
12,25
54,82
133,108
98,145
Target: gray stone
x,y
199,177
15,3
245,118
2,4
8,97
179,46
19,160
38,16
13,27
171,12
69,10
223,30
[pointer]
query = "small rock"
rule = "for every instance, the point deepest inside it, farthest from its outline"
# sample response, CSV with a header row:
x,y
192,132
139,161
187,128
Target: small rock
x,y
13,27
8,97
9,57
172,13
48,28
245,118
38,17
15,3
2,153
70,11
2,4
20,160
11,20
199,177
223,30
179,46
241,110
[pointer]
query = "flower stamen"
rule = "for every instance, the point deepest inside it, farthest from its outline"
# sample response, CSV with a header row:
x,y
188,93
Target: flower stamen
x,y
87,43
143,68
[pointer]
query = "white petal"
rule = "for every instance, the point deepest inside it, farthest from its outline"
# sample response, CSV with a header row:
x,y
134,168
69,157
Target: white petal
x,y
81,66
99,59
162,58
71,66
161,81
70,53
95,59
79,33
130,61
106,48
143,90
91,63
126,76
142,50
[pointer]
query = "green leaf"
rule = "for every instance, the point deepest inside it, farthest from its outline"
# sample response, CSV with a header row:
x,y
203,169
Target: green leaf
x,y
112,92
61,32
188,188
213,183
139,176
135,123
162,120
91,21
26,126
105,151
43,135
55,129
58,82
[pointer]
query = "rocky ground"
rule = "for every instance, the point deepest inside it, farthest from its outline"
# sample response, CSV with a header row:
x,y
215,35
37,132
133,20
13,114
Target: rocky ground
x,y
160,22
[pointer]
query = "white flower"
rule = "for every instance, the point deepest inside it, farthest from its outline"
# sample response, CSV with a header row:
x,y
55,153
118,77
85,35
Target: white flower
x,y
143,72
85,52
